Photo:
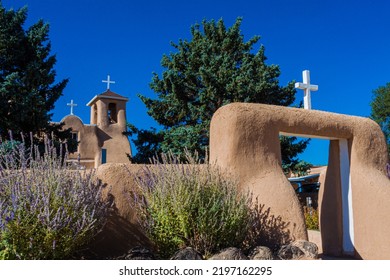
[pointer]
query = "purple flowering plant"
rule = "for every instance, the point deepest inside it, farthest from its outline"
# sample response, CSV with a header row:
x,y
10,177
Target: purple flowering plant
x,y
47,210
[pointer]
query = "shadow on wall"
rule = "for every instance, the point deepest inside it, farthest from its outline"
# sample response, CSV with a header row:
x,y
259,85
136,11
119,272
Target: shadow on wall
x,y
117,237
269,230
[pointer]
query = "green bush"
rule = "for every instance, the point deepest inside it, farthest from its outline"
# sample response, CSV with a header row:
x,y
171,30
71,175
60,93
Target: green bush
x,y
311,218
46,210
8,146
191,205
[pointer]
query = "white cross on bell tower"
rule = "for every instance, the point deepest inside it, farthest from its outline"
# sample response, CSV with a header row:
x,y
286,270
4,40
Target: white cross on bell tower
x,y
71,105
307,88
108,81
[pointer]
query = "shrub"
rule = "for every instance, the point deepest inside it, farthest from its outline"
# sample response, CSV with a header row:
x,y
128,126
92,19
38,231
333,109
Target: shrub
x,y
8,146
46,210
311,218
191,205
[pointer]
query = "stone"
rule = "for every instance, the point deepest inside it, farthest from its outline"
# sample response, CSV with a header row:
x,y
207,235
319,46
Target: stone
x,y
139,253
188,253
261,253
136,253
310,249
230,254
290,252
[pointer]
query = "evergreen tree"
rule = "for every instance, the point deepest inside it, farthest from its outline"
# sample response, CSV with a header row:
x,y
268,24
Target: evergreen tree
x,y
214,68
380,110
27,79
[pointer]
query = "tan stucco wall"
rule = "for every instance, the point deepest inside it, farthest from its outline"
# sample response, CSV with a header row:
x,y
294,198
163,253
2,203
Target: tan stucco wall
x,y
102,116
89,145
94,114
122,231
93,138
117,144
121,109
244,141
110,134
329,200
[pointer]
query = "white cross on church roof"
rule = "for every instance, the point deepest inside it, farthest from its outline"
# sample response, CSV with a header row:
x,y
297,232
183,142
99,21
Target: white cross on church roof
x,y
71,104
307,88
108,81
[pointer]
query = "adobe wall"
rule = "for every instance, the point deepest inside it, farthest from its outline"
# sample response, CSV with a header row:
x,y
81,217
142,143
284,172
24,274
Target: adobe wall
x,y
89,146
117,144
244,140
92,139
330,199
122,231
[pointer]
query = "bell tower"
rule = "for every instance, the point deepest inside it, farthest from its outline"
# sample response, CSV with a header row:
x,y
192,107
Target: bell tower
x,y
108,108
108,116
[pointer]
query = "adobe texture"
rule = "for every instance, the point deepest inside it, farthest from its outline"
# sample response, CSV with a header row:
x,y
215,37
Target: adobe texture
x,y
244,140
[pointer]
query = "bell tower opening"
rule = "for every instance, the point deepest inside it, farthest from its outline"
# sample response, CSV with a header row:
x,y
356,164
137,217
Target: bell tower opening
x,y
108,108
112,113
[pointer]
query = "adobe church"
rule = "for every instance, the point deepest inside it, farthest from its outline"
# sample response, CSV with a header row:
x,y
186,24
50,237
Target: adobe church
x,y
101,141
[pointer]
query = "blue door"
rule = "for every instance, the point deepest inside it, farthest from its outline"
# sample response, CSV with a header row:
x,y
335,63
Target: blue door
x,y
104,156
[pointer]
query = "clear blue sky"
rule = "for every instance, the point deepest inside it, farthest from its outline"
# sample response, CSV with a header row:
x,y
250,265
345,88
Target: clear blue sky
x,y
344,44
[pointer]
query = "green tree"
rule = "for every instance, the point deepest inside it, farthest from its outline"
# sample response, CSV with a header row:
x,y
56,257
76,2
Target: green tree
x,y
214,68
380,110
27,79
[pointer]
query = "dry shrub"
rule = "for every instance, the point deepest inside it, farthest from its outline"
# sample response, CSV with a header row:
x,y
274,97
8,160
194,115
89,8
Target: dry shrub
x,y
188,204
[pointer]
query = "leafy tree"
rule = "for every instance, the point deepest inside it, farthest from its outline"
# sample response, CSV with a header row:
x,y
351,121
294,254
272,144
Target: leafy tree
x,y
214,68
380,110
147,143
27,79
290,151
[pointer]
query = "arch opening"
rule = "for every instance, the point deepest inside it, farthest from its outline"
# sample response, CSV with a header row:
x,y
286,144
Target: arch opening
x,y
244,141
335,193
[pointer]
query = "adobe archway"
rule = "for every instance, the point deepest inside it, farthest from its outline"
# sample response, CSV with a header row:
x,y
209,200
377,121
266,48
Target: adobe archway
x,y
244,140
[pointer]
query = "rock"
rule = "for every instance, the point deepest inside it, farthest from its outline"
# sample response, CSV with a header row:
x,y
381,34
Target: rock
x,y
310,249
290,252
261,253
138,253
187,254
230,254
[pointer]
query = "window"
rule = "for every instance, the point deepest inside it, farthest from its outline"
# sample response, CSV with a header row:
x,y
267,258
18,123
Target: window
x,y
75,135
104,156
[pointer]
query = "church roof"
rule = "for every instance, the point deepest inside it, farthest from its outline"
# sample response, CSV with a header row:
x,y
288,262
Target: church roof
x,y
108,94
70,117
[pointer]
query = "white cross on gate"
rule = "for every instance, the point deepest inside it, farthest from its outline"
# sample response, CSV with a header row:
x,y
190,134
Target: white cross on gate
x,y
108,81
71,104
307,88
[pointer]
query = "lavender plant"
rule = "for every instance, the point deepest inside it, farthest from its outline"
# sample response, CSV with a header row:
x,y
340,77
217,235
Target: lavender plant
x,y
46,210
191,205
